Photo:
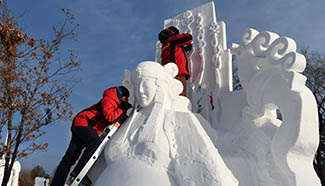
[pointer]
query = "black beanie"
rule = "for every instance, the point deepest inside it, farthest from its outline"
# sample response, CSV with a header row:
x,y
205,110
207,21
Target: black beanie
x,y
174,29
123,91
164,35
167,33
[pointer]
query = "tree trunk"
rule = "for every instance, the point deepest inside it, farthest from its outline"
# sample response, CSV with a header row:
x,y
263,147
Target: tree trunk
x,y
9,164
6,174
8,168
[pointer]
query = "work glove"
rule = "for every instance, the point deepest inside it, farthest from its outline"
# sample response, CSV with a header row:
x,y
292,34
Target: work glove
x,y
124,105
188,48
122,119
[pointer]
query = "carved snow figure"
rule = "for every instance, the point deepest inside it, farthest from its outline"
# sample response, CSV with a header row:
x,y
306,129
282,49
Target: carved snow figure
x,y
259,148
162,143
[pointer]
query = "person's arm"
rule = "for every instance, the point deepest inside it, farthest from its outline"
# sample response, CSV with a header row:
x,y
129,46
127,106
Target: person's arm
x,y
182,39
111,111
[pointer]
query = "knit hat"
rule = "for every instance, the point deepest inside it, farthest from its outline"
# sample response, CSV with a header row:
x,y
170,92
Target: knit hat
x,y
167,33
173,29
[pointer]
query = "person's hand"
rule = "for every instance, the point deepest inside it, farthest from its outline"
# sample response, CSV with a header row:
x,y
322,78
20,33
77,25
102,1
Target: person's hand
x,y
124,105
188,48
123,118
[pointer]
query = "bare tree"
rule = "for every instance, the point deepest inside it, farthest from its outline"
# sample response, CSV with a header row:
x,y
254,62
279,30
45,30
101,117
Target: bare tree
x,y
27,177
315,73
35,83
37,171
235,76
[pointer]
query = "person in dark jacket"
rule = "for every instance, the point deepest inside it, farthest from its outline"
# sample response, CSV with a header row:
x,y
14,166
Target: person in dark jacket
x,y
85,128
174,48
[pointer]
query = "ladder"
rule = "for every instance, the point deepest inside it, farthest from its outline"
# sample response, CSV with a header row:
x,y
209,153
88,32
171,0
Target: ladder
x,y
95,156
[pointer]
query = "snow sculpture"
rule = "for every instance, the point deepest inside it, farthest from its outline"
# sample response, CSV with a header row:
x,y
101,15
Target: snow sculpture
x,y
258,148
269,70
162,143
209,61
237,138
14,176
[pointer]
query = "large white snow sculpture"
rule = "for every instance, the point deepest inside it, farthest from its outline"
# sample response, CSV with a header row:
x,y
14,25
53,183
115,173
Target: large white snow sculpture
x,y
237,138
257,147
162,143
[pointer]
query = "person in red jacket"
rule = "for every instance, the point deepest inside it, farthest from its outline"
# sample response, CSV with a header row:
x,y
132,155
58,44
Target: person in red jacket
x,y
174,48
85,128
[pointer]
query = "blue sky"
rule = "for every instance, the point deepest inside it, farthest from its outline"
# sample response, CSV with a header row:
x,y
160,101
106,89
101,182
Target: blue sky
x,y
118,34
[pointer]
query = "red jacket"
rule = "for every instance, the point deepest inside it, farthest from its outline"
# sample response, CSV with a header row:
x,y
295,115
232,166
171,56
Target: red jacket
x,y
104,113
172,50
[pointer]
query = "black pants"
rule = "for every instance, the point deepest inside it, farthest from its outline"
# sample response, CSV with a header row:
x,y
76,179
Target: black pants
x,y
82,137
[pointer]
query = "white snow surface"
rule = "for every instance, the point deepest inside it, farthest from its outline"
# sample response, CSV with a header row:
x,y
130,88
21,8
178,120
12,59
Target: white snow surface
x,y
217,137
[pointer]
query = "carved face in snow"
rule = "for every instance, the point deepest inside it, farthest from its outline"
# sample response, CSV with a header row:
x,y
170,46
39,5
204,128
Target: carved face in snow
x,y
155,83
144,80
145,91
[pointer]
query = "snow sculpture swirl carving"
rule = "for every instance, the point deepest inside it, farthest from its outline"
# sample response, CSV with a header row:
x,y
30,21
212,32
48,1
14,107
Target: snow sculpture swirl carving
x,y
201,43
270,72
188,20
215,30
